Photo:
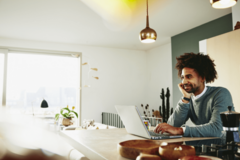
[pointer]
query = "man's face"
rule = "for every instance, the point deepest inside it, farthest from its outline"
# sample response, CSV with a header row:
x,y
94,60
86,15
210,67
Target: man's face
x,y
192,82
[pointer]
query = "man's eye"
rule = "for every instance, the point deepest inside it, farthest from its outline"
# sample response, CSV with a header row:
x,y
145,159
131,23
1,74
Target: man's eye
x,y
188,76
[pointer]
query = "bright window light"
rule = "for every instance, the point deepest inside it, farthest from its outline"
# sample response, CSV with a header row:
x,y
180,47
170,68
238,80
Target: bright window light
x,y
34,77
1,76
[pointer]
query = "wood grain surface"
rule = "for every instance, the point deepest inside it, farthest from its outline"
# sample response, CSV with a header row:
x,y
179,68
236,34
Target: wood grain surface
x,y
147,148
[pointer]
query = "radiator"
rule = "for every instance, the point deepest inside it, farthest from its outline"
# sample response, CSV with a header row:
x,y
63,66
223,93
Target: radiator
x,y
112,119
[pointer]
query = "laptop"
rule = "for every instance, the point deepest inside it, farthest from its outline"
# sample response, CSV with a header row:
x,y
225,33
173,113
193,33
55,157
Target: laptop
x,y
134,124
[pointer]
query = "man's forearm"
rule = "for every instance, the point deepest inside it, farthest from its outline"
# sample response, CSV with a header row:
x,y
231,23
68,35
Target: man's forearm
x,y
180,115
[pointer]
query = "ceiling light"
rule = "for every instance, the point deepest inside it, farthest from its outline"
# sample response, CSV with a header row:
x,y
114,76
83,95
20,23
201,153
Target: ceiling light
x,y
148,35
221,4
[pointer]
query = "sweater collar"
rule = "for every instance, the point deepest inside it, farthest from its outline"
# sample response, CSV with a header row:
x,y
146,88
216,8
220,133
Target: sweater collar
x,y
200,95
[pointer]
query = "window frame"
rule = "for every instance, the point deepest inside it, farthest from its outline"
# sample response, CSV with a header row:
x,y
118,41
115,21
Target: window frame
x,y
7,50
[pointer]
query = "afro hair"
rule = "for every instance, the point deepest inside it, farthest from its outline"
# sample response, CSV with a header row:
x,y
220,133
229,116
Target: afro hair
x,y
201,63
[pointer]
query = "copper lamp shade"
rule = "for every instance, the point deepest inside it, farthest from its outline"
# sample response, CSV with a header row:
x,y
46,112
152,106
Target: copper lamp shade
x,y
222,4
148,35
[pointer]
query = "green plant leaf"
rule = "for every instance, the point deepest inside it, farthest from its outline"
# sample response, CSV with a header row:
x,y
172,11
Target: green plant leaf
x,y
57,116
64,109
75,113
65,115
68,114
61,111
67,109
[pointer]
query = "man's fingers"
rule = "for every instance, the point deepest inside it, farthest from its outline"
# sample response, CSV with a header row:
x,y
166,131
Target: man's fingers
x,y
156,129
180,85
161,127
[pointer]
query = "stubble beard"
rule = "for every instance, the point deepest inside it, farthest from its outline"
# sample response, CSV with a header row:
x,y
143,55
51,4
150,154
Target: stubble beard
x,y
192,90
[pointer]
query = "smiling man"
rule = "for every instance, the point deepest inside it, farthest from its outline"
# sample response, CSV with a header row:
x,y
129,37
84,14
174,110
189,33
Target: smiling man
x,y
202,104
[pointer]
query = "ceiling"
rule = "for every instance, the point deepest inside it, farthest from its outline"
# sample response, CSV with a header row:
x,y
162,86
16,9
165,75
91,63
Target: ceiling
x,y
106,23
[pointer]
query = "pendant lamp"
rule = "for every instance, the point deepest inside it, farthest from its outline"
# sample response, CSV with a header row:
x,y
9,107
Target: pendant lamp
x,y
222,4
147,35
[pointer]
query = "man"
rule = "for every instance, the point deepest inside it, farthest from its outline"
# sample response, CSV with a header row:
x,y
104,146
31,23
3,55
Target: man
x,y
202,104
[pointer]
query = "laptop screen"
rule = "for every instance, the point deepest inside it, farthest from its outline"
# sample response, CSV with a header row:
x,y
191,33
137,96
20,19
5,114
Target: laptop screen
x,y
132,120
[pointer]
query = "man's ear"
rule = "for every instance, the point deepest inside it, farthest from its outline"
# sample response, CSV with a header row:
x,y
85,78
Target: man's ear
x,y
203,79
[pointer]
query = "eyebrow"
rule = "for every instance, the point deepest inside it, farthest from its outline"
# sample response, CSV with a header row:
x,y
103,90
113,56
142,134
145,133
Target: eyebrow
x,y
186,75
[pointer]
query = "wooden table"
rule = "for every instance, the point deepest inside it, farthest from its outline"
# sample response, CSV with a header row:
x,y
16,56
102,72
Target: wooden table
x,y
102,144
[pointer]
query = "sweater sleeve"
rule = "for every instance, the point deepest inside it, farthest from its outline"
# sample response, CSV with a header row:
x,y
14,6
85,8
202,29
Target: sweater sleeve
x,y
180,114
214,127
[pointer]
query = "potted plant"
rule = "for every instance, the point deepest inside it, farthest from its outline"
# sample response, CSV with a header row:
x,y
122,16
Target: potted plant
x,y
68,116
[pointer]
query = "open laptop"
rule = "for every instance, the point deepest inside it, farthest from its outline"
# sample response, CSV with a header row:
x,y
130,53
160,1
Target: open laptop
x,y
134,124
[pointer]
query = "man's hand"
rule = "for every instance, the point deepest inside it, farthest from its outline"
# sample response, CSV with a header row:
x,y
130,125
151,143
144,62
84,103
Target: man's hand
x,y
182,90
164,127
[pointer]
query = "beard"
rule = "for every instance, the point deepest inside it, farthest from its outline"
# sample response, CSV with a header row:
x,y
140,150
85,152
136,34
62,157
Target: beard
x,y
190,89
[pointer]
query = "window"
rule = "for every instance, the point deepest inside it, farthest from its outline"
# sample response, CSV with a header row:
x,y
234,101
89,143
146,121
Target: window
x,y
1,75
34,77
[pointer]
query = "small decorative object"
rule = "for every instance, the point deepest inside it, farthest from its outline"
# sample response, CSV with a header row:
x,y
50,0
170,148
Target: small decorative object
x,y
146,122
85,63
165,112
157,114
107,127
237,25
146,111
162,96
68,116
167,102
87,123
154,118
97,128
96,77
44,104
95,69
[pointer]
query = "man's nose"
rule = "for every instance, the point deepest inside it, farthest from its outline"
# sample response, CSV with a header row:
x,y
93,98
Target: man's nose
x,y
184,81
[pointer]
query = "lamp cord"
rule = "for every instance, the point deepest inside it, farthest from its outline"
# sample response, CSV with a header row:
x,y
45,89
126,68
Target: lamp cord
x,y
147,16
147,7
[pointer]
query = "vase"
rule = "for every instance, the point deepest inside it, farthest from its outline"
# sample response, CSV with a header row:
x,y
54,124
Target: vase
x,y
67,121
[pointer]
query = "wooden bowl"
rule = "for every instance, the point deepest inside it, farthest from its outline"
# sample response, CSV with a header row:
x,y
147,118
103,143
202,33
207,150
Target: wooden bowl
x,y
132,148
171,151
199,158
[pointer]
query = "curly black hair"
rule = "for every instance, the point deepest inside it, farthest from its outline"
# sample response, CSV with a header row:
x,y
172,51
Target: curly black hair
x,y
201,63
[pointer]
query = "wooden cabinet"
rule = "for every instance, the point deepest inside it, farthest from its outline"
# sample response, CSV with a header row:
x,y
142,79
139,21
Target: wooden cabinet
x,y
225,51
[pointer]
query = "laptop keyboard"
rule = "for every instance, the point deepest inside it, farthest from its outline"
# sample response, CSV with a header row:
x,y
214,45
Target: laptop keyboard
x,y
159,134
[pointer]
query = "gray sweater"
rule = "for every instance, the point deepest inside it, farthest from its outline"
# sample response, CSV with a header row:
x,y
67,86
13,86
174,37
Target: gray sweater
x,y
204,112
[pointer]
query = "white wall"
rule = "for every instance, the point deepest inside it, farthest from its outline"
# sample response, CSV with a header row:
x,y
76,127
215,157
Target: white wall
x,y
121,80
159,75
236,13
203,46
121,72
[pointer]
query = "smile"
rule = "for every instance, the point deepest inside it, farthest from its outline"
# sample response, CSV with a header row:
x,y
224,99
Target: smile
x,y
187,87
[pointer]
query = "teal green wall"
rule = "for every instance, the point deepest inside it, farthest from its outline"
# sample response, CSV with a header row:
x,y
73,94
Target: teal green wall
x,y
189,42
